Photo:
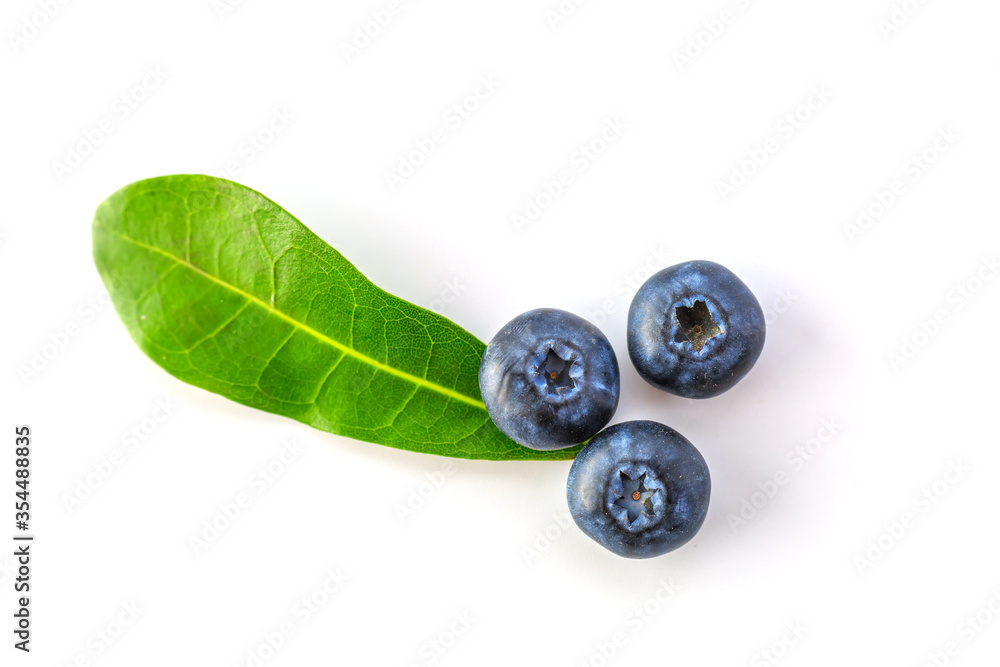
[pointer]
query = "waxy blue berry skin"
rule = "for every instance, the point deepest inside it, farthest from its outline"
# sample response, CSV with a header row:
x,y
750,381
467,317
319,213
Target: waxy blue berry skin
x,y
549,379
695,329
639,488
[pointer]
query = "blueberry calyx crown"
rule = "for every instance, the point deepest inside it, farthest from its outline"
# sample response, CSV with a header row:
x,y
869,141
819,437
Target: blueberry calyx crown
x,y
636,498
555,370
556,375
695,323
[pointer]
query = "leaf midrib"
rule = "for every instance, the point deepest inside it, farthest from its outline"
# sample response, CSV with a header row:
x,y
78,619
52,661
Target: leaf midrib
x,y
349,351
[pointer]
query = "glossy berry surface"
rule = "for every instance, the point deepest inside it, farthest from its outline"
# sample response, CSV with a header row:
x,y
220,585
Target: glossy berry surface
x,y
639,489
549,379
695,329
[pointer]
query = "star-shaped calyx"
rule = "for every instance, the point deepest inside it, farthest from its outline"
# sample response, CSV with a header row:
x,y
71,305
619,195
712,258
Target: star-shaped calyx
x,y
555,371
695,325
636,499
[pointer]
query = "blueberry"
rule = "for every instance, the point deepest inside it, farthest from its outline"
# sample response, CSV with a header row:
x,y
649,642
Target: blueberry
x,y
694,329
549,379
639,488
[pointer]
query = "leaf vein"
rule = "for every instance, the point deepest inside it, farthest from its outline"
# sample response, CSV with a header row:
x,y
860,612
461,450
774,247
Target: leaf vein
x,y
219,328
423,382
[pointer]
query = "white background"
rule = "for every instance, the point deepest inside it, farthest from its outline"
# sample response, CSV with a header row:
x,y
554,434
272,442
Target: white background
x,y
870,549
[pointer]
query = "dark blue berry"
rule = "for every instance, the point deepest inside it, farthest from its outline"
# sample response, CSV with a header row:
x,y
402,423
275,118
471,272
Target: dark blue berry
x,y
694,329
549,379
639,488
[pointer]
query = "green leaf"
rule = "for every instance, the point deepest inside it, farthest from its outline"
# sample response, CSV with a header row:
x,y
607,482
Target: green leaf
x,y
225,290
